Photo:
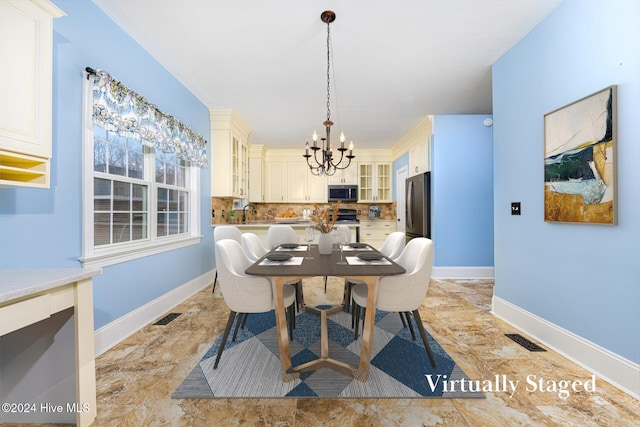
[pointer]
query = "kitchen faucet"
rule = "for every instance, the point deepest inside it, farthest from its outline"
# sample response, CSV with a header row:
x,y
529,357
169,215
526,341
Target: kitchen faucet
x,y
244,210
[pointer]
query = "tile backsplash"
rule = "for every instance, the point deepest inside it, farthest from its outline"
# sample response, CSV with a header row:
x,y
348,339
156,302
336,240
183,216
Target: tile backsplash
x,y
220,205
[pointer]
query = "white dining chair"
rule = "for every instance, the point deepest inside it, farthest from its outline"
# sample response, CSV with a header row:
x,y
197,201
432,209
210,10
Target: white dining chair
x,y
245,294
403,292
279,234
222,232
253,247
394,245
391,248
342,234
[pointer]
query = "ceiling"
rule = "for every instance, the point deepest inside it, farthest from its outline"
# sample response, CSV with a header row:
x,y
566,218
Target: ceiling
x,y
393,63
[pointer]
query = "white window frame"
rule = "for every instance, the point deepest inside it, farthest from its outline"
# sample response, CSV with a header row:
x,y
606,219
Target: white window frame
x,y
122,252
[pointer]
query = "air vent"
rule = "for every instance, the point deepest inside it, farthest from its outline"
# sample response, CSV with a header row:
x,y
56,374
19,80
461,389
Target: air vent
x,y
168,318
525,342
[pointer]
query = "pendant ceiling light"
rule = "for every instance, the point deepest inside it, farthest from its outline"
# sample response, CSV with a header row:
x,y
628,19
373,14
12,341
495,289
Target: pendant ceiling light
x,y
323,162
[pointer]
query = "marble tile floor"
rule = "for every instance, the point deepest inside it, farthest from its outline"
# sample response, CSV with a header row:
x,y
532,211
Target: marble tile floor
x,y
136,378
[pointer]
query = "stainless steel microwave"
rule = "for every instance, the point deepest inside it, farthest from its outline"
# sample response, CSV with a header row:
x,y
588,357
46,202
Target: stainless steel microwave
x,y
344,193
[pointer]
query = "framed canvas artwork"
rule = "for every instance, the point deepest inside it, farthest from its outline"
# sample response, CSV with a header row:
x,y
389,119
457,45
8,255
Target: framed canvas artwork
x,y
579,160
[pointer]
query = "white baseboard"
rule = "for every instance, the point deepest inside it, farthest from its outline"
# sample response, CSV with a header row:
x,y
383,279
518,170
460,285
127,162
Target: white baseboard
x,y
611,367
123,327
462,272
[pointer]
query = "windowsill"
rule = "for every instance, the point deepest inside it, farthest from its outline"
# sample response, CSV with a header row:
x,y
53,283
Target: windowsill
x,y
129,254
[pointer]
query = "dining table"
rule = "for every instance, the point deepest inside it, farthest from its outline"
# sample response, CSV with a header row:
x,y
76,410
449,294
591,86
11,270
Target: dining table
x,y
307,262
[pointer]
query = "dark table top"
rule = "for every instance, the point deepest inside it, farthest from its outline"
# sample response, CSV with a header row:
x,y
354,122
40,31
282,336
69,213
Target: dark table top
x,y
315,264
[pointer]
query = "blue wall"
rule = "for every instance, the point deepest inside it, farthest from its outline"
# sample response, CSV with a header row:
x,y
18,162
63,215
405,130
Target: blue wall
x,y
45,226
461,162
462,186
584,278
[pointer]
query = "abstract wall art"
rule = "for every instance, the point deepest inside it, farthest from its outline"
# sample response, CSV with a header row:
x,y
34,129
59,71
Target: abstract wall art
x,y
579,160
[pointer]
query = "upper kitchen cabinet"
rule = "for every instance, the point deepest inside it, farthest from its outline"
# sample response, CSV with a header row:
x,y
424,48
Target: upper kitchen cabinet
x,y
229,154
276,189
289,180
417,143
348,176
419,158
375,182
25,87
304,187
257,174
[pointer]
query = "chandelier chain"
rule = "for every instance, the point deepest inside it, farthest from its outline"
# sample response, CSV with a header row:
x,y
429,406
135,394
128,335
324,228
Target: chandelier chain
x,y
328,73
324,157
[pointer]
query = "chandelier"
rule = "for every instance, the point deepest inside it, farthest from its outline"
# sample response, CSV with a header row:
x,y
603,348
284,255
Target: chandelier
x,y
323,162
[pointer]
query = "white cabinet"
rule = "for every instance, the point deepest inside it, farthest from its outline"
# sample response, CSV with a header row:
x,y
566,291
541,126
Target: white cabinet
x,y
229,154
304,187
25,87
376,232
348,176
317,188
419,158
257,174
375,182
292,182
239,167
276,190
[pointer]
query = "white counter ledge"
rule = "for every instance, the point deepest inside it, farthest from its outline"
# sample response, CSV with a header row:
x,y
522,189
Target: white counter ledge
x,y
260,229
19,283
47,350
299,224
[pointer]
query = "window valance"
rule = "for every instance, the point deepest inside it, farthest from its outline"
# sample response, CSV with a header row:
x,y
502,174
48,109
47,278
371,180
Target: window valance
x,y
120,109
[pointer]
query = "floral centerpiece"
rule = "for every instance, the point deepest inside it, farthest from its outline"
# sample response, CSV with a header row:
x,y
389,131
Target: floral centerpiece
x,y
325,223
324,219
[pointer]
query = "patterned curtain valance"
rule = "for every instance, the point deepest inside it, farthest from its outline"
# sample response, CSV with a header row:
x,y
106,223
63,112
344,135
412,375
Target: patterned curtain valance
x,y
118,108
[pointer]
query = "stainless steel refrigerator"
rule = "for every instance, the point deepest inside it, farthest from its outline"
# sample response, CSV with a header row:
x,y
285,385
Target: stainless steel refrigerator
x,y
418,208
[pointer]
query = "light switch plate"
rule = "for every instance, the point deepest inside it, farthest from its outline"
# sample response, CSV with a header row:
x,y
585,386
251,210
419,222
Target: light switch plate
x,y
515,208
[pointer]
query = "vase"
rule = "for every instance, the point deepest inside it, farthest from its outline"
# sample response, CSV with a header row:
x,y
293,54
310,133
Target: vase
x,y
325,243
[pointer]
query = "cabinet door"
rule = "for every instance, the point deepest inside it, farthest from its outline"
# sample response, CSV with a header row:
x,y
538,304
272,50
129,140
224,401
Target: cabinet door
x,y
348,176
316,188
235,166
25,88
297,182
244,170
25,78
276,188
256,180
419,159
365,182
383,182
336,179
239,168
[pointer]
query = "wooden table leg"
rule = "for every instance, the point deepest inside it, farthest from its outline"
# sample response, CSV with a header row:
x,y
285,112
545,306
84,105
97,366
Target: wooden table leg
x,y
368,327
281,326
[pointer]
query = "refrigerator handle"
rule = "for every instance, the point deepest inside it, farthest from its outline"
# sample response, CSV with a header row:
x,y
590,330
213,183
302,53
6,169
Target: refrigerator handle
x,y
410,204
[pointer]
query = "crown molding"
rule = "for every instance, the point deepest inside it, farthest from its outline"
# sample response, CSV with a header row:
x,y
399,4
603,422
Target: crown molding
x,y
416,135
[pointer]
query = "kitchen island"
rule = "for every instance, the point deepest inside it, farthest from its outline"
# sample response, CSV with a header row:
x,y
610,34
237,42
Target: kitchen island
x,y
260,227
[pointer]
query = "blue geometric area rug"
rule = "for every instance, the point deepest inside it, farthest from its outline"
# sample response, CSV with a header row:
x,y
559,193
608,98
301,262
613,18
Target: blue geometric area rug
x,y
400,367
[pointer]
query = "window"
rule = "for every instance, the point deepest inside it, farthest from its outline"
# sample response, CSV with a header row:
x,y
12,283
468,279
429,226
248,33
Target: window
x,y
173,199
138,199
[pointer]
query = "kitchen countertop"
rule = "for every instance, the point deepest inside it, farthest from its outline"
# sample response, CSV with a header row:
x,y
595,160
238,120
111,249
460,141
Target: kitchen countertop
x,y
266,223
20,283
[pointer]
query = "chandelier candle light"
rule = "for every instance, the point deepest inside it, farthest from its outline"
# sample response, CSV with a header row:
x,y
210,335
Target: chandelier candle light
x,y
325,165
